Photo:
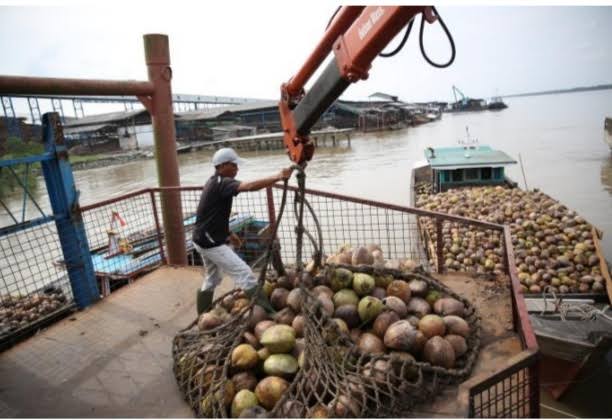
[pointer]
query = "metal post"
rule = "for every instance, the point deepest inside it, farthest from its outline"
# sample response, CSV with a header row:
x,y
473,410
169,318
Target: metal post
x,y
439,243
68,221
157,55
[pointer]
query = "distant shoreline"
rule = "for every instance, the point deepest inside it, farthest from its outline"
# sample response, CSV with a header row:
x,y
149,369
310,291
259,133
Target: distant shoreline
x,y
556,91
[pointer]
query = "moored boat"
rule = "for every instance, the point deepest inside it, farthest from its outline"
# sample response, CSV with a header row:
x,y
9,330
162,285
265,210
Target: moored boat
x,y
608,131
559,262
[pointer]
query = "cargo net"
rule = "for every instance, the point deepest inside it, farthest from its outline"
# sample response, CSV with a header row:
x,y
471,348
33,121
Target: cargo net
x,y
347,342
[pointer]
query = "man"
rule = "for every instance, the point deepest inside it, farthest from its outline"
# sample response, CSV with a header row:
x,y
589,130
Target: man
x,y
212,233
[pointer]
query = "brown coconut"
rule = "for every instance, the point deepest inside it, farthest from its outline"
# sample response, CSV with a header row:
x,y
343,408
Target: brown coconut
x,y
439,352
383,321
456,325
400,289
269,390
371,344
431,325
261,327
278,298
396,305
449,306
459,344
400,335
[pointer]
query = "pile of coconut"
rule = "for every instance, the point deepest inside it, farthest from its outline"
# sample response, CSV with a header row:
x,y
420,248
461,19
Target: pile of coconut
x,y
379,313
553,246
371,255
19,312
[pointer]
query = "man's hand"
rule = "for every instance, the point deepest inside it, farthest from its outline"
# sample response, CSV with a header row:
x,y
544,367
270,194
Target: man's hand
x,y
235,240
285,173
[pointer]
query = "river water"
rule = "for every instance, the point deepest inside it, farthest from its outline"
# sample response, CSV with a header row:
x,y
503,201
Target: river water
x,y
560,139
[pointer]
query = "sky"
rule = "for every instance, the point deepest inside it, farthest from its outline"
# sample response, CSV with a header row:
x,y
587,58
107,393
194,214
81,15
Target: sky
x,y
249,48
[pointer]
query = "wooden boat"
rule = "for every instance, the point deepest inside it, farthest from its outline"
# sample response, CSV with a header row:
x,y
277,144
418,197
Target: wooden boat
x,y
573,330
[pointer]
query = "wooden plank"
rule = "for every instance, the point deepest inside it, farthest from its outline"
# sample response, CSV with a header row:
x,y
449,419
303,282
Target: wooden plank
x,y
603,265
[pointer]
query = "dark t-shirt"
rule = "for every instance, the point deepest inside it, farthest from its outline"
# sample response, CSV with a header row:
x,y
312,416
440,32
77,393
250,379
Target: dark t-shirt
x,y
212,218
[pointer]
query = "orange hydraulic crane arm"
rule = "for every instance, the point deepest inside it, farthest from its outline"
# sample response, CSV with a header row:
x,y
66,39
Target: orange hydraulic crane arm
x,y
356,35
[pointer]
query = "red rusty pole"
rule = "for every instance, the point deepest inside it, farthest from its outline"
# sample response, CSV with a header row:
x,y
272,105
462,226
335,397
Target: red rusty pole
x,y
157,55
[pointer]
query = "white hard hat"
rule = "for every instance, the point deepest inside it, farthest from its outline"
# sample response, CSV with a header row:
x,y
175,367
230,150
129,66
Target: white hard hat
x,y
226,155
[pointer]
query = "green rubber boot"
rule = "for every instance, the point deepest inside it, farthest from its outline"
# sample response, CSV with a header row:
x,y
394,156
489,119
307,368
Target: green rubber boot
x,y
204,300
260,299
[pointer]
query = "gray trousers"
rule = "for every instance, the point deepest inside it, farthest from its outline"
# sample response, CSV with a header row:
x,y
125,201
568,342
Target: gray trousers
x,y
222,259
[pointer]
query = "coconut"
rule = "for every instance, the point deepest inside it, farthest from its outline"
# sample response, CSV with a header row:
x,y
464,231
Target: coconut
x,y
293,409
459,344
399,359
286,281
300,345
418,287
369,308
269,390
341,279
244,380
244,357
345,406
378,371
418,306
363,283
250,339
298,325
400,289
295,299
210,320
263,353
228,302
318,412
239,305
278,298
383,321
383,280
361,256
255,412
439,352
371,344
449,306
379,292
284,316
345,297
431,325
456,325
400,335
327,304
278,339
349,314
244,399
396,305
283,365
355,334
323,289
256,315
261,327
432,297
342,326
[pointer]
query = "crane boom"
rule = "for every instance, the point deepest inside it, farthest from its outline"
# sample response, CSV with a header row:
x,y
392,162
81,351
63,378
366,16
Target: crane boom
x,y
356,36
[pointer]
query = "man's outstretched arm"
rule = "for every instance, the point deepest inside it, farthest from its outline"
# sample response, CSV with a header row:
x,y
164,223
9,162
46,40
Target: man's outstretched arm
x,y
258,184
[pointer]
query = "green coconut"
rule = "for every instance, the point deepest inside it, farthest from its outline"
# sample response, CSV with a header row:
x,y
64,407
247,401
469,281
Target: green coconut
x,y
341,279
278,338
345,297
280,365
243,400
369,308
363,283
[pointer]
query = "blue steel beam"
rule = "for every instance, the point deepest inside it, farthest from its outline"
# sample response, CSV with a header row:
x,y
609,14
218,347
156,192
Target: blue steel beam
x,y
65,204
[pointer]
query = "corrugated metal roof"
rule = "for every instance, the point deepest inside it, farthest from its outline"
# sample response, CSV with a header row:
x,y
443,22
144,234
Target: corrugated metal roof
x,y
216,112
86,128
460,157
110,117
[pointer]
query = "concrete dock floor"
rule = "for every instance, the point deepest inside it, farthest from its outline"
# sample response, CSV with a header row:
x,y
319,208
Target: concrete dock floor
x,y
113,359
